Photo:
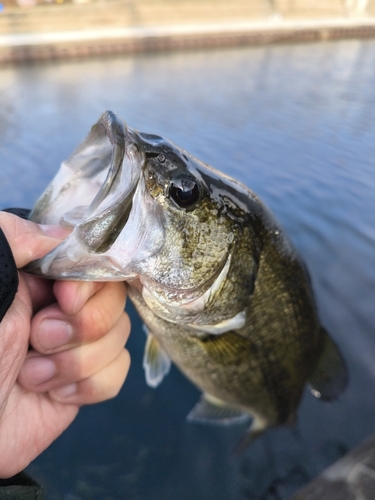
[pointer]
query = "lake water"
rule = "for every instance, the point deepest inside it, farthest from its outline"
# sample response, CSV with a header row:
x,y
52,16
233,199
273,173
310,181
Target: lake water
x,y
296,123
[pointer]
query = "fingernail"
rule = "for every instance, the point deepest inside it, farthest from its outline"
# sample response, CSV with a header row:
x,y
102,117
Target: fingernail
x,y
38,370
54,231
64,392
53,333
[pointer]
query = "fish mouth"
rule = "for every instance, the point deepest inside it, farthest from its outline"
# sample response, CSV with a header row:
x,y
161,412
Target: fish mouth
x,y
95,186
89,170
105,172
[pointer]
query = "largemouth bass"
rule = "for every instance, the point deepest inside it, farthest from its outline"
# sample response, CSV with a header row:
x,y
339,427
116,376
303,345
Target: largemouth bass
x,y
218,284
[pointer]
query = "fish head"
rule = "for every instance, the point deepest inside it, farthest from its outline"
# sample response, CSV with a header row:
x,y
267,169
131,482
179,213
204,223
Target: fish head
x,y
141,208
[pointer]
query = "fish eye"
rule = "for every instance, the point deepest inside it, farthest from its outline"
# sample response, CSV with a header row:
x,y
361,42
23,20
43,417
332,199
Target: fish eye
x,y
184,192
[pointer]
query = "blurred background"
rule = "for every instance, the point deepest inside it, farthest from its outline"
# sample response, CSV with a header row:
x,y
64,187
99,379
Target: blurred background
x,y
45,29
295,122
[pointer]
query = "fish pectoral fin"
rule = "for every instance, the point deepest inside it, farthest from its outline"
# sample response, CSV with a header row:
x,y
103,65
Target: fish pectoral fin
x,y
156,362
211,410
329,376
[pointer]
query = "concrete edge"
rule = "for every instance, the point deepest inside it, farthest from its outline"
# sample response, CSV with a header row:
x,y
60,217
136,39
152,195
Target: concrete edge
x,y
38,46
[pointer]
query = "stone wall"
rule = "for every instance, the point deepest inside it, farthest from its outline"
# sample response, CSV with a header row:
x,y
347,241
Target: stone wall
x,y
130,13
122,26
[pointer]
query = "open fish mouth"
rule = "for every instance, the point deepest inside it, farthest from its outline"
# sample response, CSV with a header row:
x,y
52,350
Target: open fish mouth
x,y
90,176
93,194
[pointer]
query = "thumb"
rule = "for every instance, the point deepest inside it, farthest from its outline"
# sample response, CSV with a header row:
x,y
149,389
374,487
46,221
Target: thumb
x,y
27,240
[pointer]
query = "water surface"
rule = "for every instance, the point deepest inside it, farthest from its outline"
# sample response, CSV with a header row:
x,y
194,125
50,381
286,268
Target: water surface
x,y
295,123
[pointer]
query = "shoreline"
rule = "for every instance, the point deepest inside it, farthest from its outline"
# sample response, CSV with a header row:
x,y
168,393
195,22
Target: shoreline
x,y
44,45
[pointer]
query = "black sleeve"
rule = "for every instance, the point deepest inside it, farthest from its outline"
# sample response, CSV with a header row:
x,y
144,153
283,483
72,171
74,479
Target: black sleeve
x,y
8,269
8,276
20,487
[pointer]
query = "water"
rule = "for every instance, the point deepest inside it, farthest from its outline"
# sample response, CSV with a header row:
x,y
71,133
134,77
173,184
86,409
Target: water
x,y
296,124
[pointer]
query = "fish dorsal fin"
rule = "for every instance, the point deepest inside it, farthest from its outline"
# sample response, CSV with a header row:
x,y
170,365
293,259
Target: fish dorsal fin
x,y
156,361
214,411
330,376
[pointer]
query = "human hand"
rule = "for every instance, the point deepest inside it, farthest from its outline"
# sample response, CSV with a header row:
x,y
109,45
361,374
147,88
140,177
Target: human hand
x,y
77,332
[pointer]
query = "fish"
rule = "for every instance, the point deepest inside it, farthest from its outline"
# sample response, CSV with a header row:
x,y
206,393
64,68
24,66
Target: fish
x,y
221,290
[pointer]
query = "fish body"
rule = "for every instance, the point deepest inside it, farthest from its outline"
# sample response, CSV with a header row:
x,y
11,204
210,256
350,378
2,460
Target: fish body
x,y
216,281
